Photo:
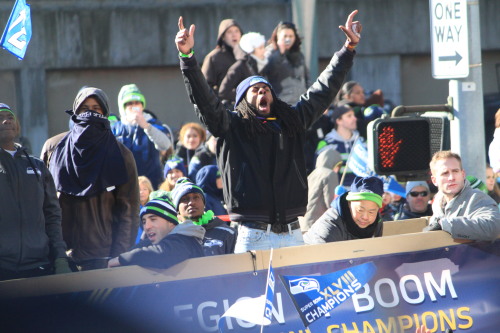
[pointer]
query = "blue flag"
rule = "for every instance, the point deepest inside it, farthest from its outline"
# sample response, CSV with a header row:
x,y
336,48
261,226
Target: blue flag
x,y
358,161
315,296
271,282
17,33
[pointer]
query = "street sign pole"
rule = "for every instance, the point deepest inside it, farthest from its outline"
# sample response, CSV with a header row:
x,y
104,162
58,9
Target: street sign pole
x,y
449,21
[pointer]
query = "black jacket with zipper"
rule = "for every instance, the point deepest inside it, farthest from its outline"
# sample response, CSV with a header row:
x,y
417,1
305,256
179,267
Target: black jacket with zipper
x,y
30,216
264,178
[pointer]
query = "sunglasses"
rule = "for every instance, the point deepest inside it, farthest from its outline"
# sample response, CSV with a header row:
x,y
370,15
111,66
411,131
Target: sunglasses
x,y
416,194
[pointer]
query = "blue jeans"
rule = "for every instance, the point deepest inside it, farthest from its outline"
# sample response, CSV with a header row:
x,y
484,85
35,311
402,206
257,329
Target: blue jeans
x,y
255,239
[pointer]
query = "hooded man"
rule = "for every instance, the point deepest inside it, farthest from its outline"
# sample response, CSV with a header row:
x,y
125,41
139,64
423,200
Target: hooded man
x,y
140,132
189,201
354,215
260,145
322,183
97,180
31,238
168,242
227,51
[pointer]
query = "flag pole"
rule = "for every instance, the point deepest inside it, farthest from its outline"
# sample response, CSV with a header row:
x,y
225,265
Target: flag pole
x,y
267,279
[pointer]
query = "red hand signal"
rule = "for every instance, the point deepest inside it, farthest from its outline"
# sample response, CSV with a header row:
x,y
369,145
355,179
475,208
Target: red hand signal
x,y
388,147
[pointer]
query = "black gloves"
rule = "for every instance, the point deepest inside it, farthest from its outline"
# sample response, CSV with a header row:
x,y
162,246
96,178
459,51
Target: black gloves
x,y
61,266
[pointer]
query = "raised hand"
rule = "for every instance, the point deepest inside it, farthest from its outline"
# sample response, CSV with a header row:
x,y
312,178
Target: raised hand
x,y
184,38
352,29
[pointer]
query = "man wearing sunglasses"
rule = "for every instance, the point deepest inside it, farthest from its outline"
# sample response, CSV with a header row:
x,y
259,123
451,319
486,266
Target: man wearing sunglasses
x,y
417,201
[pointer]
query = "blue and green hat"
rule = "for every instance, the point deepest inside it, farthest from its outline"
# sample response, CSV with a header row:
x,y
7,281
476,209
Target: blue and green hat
x,y
5,107
183,187
162,207
366,188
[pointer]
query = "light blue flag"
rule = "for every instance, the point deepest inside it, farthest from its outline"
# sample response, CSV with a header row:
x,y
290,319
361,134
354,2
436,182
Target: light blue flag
x,y
17,33
271,282
358,161
315,296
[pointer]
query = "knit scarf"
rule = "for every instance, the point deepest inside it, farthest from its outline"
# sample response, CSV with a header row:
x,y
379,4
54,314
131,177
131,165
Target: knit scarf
x,y
88,159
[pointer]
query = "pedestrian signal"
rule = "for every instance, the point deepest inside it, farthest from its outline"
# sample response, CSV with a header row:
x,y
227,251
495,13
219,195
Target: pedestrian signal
x,y
399,146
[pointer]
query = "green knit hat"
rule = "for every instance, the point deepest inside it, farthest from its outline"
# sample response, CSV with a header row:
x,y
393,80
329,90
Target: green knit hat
x,y
366,188
129,93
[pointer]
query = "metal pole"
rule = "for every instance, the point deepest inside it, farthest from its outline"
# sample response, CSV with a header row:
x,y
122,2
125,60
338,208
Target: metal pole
x,y
467,129
304,16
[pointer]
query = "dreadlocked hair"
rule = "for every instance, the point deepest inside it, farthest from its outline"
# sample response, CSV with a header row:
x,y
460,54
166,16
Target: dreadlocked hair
x,y
288,117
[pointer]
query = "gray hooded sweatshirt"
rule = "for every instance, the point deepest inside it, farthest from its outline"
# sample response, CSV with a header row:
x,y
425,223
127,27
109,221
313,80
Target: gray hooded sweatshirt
x,y
321,183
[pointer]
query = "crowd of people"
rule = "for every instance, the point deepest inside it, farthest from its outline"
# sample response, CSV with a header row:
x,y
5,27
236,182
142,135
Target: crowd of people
x,y
266,167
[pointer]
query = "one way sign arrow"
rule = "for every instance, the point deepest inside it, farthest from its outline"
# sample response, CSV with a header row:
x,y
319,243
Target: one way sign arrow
x,y
457,57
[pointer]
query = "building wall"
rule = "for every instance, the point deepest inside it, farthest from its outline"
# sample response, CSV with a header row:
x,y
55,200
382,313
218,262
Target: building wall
x,y
108,43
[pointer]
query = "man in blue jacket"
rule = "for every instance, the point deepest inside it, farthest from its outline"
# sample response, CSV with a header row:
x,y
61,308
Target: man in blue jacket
x,y
144,135
31,238
167,242
260,146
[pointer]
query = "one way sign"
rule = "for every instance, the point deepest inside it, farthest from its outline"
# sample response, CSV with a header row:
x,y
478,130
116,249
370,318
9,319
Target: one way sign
x,y
450,39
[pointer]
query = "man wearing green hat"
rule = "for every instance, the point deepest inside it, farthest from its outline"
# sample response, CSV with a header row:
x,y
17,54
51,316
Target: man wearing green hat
x,y
31,237
353,215
144,135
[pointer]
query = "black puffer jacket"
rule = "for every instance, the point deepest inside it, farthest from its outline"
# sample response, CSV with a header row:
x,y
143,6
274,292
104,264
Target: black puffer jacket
x,y
264,177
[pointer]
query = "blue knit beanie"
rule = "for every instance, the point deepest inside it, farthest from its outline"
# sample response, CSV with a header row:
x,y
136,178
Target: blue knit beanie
x,y
366,188
183,187
162,207
247,83
174,162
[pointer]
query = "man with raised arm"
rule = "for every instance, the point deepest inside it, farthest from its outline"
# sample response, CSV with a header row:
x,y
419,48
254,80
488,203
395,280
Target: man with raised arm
x,y
260,147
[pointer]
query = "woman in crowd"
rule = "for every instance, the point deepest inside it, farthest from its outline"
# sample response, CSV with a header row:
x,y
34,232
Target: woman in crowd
x,y
492,185
286,69
191,139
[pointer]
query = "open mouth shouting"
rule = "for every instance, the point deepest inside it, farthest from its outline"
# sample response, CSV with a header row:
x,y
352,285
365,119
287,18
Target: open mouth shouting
x,y
264,106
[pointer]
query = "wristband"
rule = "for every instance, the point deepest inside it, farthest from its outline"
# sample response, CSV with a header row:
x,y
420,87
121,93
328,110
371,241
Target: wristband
x,y
189,55
352,46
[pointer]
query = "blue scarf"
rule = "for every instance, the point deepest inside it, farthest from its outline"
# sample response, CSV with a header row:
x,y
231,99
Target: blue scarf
x,y
88,159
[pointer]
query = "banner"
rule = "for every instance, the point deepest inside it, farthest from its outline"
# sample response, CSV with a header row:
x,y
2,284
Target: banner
x,y
455,286
17,33
315,296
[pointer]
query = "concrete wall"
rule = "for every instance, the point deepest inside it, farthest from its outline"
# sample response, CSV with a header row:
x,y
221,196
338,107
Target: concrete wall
x,y
108,43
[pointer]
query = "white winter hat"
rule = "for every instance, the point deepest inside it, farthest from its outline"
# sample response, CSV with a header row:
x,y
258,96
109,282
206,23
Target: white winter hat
x,y
250,41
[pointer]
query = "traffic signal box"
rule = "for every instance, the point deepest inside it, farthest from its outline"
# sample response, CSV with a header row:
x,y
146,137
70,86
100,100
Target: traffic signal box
x,y
400,146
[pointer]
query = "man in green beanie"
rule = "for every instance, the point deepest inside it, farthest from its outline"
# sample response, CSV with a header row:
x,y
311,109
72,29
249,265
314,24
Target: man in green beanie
x,y
353,215
144,135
